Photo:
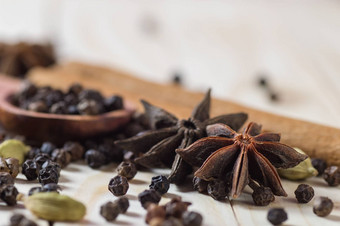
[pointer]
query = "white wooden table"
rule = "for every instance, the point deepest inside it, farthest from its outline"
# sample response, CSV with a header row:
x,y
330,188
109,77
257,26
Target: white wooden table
x,y
220,44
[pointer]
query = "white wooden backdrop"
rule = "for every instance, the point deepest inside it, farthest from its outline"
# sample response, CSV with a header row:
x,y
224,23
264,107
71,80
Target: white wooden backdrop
x,y
218,44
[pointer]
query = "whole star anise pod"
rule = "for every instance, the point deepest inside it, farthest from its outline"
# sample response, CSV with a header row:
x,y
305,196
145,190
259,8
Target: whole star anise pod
x,y
169,133
251,155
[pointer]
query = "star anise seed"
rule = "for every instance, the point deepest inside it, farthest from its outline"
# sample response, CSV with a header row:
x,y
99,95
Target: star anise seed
x,y
247,155
169,133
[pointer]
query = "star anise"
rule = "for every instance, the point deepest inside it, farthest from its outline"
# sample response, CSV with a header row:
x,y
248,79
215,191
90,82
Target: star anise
x,y
250,155
169,133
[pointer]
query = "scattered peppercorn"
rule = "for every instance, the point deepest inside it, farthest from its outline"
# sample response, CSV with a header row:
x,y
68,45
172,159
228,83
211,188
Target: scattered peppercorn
x,y
160,184
50,164
127,169
3,165
323,206
51,187
47,148
34,190
217,189
332,175
9,194
29,169
109,211
277,216
5,179
13,166
20,220
94,158
176,207
148,196
320,165
48,175
113,103
154,211
75,149
40,159
33,152
263,196
192,218
118,185
123,204
304,193
200,185
62,157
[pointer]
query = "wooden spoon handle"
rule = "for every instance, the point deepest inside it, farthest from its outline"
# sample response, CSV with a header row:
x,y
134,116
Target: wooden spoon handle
x,y
316,140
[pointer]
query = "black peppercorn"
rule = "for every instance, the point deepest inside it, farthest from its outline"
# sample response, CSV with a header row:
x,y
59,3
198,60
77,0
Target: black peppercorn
x,y
160,184
9,195
49,164
323,206
277,216
40,159
47,148
262,196
113,103
155,211
148,196
34,190
94,158
332,175
176,207
58,108
38,106
51,187
3,166
320,165
123,204
199,184
5,179
192,218
217,189
62,157
20,220
29,169
118,185
75,149
304,193
90,94
109,211
13,166
75,88
33,152
127,169
48,175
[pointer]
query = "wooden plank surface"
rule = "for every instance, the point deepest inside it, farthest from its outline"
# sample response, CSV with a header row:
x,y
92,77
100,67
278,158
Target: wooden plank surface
x,y
90,186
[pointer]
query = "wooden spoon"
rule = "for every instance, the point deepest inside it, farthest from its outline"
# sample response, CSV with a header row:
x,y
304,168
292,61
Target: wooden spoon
x,y
54,127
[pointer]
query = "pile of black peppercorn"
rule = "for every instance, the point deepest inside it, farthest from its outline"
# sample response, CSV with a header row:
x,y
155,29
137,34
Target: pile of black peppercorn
x,y
75,101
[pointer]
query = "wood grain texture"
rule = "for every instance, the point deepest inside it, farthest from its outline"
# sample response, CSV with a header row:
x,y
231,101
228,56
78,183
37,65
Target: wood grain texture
x,y
316,140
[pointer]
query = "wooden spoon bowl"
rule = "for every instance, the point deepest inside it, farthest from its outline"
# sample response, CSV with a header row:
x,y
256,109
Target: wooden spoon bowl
x,y
54,127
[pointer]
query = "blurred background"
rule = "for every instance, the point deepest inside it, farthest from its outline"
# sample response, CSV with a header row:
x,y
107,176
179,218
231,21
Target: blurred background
x,y
278,56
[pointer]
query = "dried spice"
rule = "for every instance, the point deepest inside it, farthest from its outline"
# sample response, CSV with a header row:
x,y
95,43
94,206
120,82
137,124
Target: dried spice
x,y
118,185
277,216
17,59
47,148
127,169
160,184
304,193
5,179
176,207
248,155
262,196
154,211
52,206
191,218
200,185
34,190
62,157
13,166
147,197
95,159
123,204
218,189
29,169
301,171
323,206
169,133
40,159
48,175
20,220
109,211
14,149
8,194
332,175
320,165
75,149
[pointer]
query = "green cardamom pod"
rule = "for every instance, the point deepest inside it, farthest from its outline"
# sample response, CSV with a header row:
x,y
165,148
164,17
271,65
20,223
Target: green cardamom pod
x,y
14,149
301,171
53,206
